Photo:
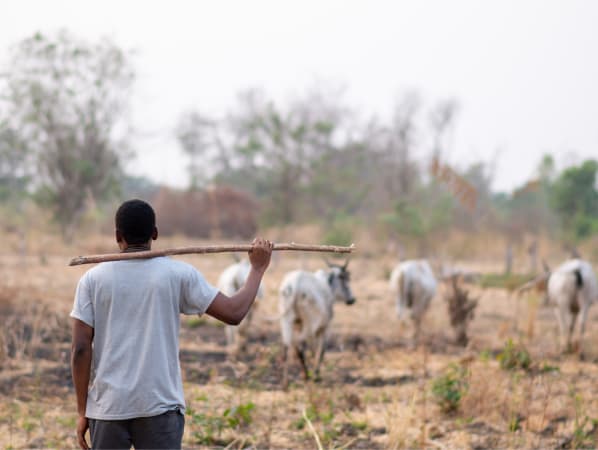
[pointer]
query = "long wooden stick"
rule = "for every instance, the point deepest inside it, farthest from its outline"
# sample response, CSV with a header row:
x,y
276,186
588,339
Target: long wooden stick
x,y
92,259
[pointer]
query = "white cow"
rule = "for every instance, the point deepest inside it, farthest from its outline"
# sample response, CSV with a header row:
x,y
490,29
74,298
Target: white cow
x,y
414,285
229,282
572,288
306,309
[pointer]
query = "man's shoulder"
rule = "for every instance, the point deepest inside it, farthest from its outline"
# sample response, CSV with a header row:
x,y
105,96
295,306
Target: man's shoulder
x,y
163,265
96,271
175,268
173,264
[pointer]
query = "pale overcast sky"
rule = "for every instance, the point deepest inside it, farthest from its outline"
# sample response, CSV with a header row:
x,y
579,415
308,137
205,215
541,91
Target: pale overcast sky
x,y
525,73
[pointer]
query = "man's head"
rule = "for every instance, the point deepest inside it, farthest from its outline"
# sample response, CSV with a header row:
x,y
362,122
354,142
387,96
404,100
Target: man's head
x,y
135,223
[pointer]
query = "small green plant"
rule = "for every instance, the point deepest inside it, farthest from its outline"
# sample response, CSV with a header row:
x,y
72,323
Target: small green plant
x,y
323,419
449,388
28,426
515,423
360,426
547,368
210,427
239,416
314,415
514,357
582,437
485,355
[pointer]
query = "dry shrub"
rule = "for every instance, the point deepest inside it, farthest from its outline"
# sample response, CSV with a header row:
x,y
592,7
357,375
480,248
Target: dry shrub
x,y
30,329
216,212
6,297
402,419
461,309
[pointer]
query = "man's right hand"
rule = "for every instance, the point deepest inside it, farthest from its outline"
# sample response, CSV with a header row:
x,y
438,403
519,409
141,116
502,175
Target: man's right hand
x,y
260,253
82,427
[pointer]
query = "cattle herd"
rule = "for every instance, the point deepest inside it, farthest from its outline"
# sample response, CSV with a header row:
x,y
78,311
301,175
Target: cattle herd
x,y
306,303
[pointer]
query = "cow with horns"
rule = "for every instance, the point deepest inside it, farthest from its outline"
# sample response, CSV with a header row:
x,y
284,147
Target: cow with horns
x,y
306,301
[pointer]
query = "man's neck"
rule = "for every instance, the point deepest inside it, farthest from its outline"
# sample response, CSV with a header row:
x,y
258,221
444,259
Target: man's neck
x,y
137,248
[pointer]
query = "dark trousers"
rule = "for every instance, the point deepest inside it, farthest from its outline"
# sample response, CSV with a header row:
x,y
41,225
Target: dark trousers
x,y
158,432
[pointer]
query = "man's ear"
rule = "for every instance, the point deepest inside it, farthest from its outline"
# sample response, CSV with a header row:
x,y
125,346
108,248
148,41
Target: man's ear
x,y
155,233
119,236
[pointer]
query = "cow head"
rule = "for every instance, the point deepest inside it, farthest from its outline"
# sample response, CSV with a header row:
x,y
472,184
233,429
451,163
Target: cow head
x,y
338,280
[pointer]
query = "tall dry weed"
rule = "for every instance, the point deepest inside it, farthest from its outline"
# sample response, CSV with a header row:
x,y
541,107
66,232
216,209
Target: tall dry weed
x,y
402,420
30,329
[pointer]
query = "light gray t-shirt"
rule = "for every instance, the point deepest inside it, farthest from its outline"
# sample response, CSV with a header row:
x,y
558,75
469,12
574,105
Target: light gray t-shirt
x,y
134,307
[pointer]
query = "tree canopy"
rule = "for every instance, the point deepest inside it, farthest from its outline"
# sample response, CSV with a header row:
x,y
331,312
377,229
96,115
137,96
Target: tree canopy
x,y
65,100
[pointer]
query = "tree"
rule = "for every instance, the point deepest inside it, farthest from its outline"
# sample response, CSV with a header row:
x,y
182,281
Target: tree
x,y
14,169
66,99
442,118
575,199
202,139
393,146
279,146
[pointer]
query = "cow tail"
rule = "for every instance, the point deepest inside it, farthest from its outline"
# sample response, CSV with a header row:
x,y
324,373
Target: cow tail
x,y
578,279
575,304
409,296
405,290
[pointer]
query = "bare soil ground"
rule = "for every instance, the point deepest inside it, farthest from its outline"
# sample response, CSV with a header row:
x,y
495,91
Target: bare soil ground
x,y
376,387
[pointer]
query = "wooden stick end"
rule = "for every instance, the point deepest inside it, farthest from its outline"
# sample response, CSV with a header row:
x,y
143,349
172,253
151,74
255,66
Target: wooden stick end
x,y
76,261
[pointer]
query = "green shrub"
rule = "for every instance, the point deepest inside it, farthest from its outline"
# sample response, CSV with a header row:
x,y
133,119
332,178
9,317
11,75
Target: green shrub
x,y
239,415
339,233
514,356
449,388
210,426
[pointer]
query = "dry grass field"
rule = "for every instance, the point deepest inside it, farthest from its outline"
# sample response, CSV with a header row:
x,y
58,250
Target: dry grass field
x,y
377,390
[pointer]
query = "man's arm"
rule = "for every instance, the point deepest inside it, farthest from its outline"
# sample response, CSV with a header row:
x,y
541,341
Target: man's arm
x,y
82,338
232,310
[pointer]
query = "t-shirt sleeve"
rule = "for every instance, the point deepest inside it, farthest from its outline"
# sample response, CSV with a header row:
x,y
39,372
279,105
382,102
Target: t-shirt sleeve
x,y
83,306
197,293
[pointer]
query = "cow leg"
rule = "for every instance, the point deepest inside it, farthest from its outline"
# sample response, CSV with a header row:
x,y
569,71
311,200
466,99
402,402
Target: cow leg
x,y
582,328
416,323
572,319
561,315
285,369
319,356
417,334
301,354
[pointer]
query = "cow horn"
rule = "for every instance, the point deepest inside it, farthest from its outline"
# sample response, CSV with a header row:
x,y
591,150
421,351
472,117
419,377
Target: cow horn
x,y
347,261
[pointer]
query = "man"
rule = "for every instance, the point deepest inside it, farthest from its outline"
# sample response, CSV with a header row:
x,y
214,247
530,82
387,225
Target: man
x,y
130,311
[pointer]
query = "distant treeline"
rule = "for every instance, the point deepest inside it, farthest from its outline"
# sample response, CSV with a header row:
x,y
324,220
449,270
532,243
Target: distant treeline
x,y
311,159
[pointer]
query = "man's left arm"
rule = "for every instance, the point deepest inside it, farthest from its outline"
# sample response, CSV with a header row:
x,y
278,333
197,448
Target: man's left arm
x,y
81,352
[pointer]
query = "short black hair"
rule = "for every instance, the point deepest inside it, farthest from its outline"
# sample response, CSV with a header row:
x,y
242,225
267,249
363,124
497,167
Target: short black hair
x,y
136,220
